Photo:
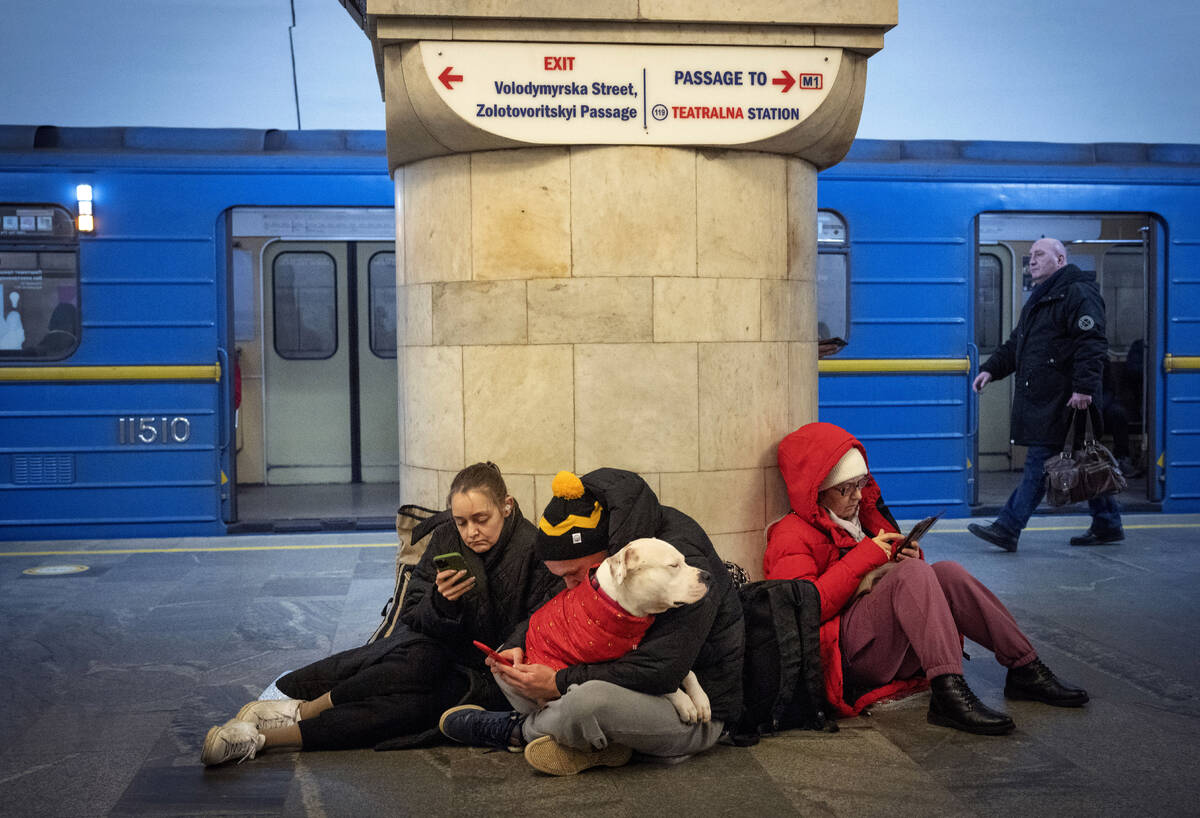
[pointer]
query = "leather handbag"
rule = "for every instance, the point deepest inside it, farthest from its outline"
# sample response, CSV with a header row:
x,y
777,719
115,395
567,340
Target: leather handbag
x,y
1074,475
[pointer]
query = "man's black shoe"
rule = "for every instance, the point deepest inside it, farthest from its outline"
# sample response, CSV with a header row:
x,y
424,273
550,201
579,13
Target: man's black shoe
x,y
953,704
1037,683
1092,538
995,535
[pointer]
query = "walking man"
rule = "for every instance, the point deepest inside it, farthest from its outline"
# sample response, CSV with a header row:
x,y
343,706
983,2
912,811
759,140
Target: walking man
x,y
1057,353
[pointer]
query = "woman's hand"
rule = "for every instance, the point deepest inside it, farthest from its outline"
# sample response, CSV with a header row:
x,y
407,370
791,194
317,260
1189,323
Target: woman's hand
x,y
912,551
871,577
453,584
534,682
885,540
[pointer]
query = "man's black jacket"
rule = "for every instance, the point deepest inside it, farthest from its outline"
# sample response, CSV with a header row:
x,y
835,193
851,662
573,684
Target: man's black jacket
x,y
707,636
1058,347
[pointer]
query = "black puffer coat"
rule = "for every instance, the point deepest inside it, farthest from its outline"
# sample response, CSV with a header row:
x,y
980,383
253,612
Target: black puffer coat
x,y
707,636
1058,347
511,583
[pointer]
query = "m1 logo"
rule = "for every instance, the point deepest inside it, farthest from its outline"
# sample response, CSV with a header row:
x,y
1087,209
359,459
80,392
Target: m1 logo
x,y
810,82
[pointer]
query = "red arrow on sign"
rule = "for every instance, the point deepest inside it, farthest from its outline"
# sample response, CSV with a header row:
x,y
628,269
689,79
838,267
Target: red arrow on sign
x,y
787,81
446,77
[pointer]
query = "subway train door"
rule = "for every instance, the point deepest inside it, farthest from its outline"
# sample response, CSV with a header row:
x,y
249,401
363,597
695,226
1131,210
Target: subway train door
x,y
1120,249
329,362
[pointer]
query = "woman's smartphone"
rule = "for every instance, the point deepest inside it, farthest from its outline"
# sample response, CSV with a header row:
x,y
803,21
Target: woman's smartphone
x,y
452,561
504,660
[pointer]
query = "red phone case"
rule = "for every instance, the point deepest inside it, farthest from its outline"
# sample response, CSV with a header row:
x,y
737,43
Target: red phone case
x,y
504,660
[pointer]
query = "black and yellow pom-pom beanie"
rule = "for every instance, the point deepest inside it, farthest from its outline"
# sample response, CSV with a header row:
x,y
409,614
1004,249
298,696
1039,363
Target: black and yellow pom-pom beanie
x,y
574,523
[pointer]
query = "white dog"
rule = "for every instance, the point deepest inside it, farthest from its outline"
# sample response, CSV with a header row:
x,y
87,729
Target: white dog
x,y
649,576
646,577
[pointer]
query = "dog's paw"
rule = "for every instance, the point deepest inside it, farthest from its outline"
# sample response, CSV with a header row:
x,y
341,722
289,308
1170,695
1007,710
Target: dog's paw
x,y
684,706
699,699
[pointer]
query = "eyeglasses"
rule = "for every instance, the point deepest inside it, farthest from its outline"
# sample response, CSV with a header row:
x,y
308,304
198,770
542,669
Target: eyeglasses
x,y
851,486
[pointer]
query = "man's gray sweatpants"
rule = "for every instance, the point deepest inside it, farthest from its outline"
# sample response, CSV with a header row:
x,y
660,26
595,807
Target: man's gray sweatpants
x,y
595,714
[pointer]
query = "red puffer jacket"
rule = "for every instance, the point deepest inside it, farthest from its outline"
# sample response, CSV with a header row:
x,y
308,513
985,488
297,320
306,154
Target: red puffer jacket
x,y
808,544
580,626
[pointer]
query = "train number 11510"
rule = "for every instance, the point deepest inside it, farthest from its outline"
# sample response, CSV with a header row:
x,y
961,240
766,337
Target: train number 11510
x,y
134,430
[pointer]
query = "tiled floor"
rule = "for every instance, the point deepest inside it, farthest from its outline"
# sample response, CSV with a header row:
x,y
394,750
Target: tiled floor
x,y
112,676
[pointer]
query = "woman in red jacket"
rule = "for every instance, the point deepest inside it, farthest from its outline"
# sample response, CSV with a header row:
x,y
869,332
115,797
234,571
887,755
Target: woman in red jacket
x,y
891,623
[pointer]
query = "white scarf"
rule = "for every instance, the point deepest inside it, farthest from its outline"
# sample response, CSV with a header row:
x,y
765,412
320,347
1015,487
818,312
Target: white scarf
x,y
851,526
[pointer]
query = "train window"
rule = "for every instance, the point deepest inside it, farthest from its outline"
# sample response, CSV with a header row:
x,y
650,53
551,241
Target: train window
x,y
1124,296
244,315
305,305
833,276
989,317
39,283
381,272
831,229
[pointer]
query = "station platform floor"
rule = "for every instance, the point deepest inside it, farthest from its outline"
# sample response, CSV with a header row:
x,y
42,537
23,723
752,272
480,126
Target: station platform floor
x,y
112,675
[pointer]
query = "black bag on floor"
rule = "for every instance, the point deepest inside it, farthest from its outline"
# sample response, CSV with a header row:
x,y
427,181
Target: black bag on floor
x,y
782,683
414,524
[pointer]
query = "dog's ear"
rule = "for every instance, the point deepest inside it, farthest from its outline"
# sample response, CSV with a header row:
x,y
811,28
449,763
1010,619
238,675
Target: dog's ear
x,y
616,565
623,562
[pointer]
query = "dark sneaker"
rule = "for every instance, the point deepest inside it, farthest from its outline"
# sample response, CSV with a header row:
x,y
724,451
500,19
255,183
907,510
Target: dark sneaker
x,y
471,724
995,535
1036,682
548,756
1092,538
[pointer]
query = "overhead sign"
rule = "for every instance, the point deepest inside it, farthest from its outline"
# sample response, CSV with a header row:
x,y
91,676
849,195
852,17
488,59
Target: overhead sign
x,y
571,93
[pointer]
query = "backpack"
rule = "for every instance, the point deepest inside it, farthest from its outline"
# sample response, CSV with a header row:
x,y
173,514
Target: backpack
x,y
782,682
414,524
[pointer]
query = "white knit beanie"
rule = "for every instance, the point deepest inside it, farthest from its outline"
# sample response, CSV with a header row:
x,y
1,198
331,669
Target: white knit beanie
x,y
851,465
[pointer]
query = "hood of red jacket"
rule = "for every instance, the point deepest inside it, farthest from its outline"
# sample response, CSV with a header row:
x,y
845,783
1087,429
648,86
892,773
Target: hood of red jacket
x,y
806,456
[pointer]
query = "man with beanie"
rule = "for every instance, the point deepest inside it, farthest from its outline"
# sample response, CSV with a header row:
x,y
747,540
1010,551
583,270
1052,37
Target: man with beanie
x,y
1057,354
599,714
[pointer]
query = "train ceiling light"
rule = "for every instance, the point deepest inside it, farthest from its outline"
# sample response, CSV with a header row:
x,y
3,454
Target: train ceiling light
x,y
83,195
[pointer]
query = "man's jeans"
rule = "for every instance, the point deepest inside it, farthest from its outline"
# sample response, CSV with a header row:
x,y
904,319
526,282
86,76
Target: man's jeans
x,y
1106,514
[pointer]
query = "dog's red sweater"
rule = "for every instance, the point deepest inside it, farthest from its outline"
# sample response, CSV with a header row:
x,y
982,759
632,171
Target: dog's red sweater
x,y
582,625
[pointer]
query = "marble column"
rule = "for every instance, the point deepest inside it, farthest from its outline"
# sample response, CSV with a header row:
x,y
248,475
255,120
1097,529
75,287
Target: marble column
x,y
571,306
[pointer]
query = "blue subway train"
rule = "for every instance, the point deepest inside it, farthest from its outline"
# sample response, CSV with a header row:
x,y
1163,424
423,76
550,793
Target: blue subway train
x,y
925,269
192,313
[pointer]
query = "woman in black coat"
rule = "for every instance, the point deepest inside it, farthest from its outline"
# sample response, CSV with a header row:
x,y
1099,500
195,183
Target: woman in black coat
x,y
397,687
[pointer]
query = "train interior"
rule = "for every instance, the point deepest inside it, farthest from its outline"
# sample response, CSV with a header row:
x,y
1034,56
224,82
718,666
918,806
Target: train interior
x,y
1121,249
313,294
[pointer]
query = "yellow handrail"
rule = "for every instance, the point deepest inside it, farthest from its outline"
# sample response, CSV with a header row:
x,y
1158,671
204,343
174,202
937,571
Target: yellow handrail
x,y
41,374
894,366
1180,363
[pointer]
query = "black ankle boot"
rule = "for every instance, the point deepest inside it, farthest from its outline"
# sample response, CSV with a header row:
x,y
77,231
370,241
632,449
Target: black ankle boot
x,y
1038,683
953,704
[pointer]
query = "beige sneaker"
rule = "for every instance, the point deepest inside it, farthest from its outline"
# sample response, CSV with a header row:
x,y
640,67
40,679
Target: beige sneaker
x,y
233,739
552,758
271,713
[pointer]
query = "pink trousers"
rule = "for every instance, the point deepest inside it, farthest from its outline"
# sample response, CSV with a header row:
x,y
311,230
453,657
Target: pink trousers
x,y
911,620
